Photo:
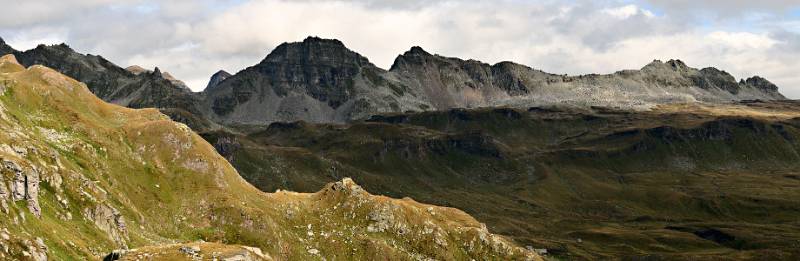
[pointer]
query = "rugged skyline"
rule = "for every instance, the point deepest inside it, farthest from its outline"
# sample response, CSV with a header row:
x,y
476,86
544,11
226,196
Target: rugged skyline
x,y
321,80
194,39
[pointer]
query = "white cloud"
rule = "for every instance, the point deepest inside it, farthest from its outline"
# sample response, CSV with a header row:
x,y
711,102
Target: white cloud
x,y
724,9
742,41
625,12
193,39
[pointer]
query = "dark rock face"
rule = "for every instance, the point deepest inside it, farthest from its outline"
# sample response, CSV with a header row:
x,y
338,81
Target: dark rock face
x,y
761,84
324,69
217,78
506,76
227,146
4,48
317,80
713,78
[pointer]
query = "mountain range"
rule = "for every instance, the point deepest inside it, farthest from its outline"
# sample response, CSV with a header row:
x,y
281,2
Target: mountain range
x,y
322,81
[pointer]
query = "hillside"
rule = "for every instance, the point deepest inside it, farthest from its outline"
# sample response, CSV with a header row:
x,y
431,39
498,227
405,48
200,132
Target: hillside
x,y
82,177
683,181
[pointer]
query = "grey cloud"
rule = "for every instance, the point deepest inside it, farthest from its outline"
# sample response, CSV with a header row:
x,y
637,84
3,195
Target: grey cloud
x,y
724,8
18,13
592,24
392,4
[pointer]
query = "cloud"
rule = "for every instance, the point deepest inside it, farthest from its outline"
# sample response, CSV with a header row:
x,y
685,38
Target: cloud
x,y
725,8
193,39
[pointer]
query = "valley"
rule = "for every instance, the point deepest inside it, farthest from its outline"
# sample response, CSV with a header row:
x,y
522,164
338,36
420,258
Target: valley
x,y
678,182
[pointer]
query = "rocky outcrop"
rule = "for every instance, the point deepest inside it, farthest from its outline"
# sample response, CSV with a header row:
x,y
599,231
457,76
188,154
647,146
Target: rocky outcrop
x,y
109,220
24,186
227,146
4,195
37,250
18,183
138,70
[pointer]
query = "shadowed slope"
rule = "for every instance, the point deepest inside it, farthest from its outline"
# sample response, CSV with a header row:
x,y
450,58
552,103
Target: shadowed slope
x,y
685,181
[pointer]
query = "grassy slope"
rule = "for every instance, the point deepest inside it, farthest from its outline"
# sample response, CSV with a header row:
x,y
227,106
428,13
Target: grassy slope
x,y
690,182
169,185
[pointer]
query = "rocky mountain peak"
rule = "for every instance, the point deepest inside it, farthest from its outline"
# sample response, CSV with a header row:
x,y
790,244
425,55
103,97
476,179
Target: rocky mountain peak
x,y
677,65
315,50
61,48
157,72
709,71
761,83
416,50
415,56
217,78
136,70
5,48
323,69
509,64
670,65
655,62
318,40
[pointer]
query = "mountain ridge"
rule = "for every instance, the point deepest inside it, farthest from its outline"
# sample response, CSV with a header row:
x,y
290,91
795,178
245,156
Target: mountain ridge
x,y
421,81
321,80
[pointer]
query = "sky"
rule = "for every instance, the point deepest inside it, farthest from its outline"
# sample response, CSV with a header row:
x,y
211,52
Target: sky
x,y
192,39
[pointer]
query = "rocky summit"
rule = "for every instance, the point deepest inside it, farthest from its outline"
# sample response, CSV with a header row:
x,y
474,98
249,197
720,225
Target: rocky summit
x,y
84,179
217,78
